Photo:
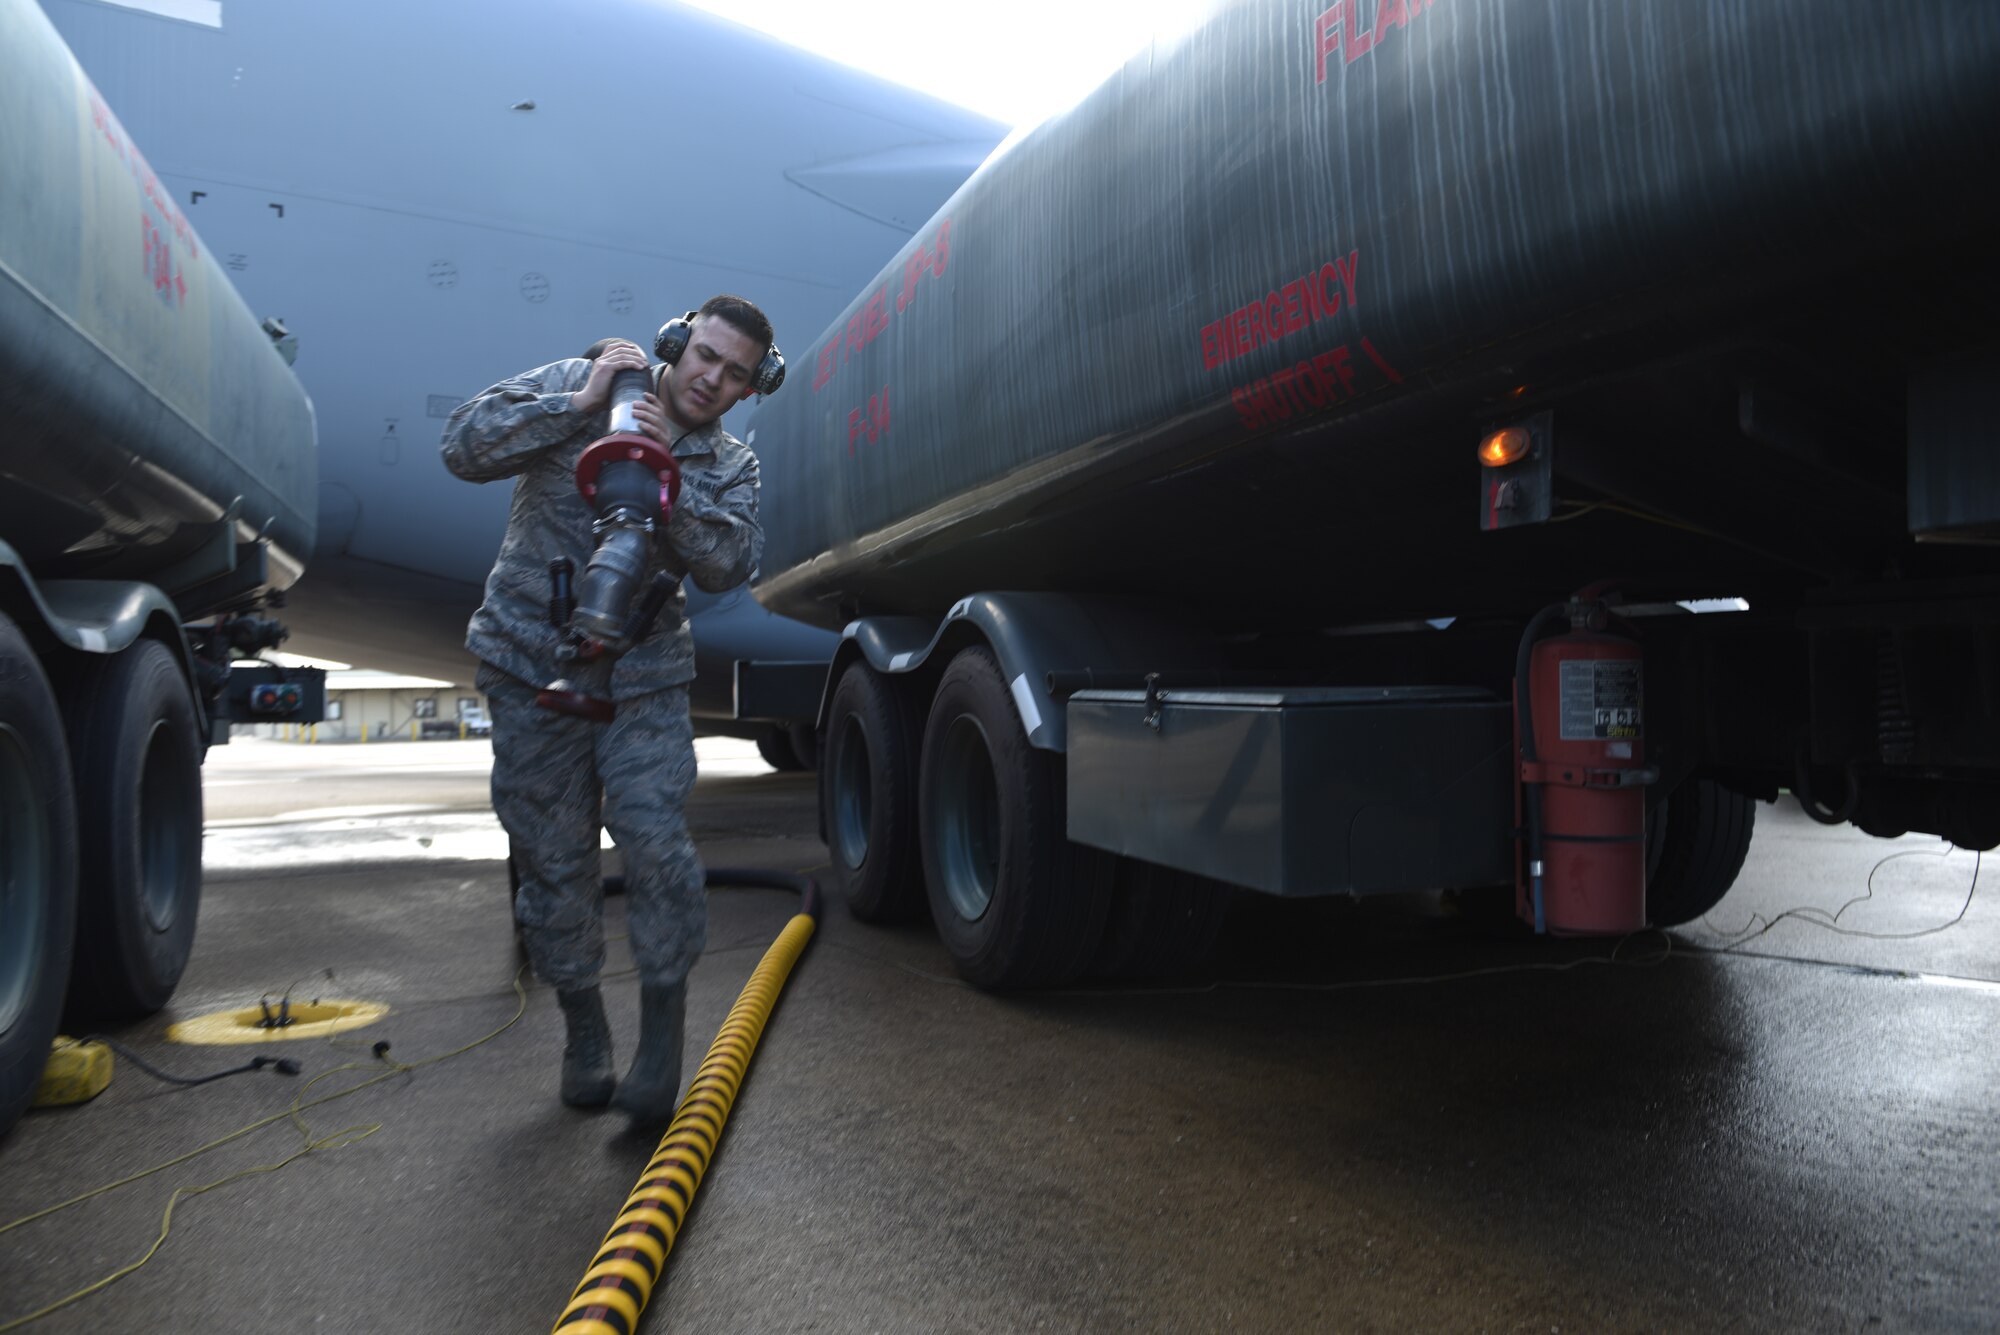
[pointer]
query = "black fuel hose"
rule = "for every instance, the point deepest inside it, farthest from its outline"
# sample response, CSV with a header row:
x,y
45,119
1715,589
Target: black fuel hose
x,y
749,878
760,878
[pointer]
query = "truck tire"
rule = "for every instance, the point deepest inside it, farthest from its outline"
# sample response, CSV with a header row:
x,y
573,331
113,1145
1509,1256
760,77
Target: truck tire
x,y
135,748
805,745
1016,903
37,871
790,749
1696,842
1163,922
868,798
775,745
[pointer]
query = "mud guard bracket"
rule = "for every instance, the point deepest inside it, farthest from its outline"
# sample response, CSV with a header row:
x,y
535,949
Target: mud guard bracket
x,y
1033,635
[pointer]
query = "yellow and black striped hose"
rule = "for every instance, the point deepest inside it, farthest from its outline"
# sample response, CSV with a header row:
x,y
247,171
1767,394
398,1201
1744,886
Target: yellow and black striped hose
x,y
622,1275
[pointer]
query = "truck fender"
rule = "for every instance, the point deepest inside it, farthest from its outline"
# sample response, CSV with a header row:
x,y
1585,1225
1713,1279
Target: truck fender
x,y
101,616
1031,634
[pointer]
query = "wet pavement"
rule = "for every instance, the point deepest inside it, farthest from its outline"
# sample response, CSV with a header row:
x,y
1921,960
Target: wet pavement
x,y
1381,1117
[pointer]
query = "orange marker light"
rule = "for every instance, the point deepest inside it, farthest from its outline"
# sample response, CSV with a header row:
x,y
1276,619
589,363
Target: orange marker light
x,y
1505,446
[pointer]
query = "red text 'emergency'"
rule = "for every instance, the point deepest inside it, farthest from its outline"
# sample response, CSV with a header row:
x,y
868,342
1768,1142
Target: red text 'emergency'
x,y
1297,305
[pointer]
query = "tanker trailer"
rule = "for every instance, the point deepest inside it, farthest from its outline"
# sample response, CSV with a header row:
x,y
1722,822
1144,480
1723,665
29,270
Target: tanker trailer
x,y
157,468
1203,492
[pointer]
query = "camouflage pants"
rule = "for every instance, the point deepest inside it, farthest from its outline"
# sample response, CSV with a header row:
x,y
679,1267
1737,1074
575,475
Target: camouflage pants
x,y
556,782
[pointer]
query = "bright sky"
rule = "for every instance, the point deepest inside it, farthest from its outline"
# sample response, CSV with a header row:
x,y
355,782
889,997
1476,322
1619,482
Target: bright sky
x,y
1018,62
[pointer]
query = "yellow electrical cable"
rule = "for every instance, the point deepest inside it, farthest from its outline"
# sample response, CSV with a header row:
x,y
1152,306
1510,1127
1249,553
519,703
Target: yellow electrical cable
x,y
293,1112
332,1142
622,1275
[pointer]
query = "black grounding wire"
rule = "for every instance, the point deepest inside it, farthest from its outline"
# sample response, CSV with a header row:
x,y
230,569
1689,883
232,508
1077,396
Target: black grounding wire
x,y
283,1065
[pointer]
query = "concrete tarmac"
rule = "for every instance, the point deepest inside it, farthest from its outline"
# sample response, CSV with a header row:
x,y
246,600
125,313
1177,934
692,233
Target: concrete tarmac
x,y
1391,1116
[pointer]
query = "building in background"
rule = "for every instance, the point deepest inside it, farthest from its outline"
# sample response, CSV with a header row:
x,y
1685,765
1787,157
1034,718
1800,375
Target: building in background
x,y
385,707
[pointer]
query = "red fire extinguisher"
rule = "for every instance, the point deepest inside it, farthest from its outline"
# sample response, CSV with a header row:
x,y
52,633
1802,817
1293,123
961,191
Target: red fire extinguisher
x,y
1580,719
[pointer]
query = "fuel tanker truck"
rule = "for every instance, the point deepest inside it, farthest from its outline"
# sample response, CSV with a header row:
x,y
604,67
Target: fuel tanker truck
x,y
1298,467
157,491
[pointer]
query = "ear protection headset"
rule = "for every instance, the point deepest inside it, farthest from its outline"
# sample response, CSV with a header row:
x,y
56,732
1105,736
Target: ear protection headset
x,y
672,341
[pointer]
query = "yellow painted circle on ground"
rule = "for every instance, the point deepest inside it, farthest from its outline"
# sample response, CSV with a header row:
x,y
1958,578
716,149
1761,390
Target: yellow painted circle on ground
x,y
311,1019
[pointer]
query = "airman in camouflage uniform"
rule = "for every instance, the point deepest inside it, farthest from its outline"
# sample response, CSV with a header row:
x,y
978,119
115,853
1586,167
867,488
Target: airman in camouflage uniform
x,y
557,779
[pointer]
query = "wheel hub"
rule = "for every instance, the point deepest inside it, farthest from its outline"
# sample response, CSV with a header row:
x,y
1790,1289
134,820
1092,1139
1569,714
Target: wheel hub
x,y
967,807
852,798
165,825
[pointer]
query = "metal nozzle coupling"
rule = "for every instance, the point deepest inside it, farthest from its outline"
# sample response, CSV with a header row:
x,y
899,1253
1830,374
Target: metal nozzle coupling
x,y
604,599
630,480
628,500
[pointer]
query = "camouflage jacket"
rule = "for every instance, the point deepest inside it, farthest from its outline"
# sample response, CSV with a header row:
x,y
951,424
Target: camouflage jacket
x,y
524,428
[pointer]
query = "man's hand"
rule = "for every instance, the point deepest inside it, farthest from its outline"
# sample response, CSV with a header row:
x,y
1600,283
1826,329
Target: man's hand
x,y
596,391
653,419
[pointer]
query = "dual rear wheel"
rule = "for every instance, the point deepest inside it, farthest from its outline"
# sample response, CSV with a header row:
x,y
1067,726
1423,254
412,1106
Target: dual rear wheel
x,y
961,814
100,845
789,748
37,870
137,754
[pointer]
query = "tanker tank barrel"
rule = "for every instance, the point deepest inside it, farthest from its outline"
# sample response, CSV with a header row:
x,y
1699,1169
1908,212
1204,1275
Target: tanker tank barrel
x,y
144,404
1024,398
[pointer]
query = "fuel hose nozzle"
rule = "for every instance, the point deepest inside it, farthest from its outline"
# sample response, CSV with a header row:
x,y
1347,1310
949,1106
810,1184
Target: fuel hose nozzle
x,y
631,481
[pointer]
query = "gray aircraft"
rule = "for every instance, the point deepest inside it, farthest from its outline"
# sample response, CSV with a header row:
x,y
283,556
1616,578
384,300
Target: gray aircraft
x,y
431,197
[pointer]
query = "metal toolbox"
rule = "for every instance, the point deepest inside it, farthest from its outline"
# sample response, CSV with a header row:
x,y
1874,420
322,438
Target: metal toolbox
x,y
1312,791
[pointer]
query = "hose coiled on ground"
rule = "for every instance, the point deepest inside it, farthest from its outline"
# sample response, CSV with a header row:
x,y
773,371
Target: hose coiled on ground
x,y
622,1275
